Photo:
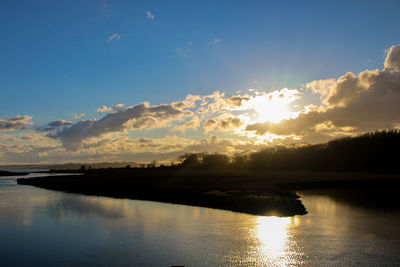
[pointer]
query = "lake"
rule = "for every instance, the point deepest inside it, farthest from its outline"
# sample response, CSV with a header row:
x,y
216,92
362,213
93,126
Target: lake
x,y
43,227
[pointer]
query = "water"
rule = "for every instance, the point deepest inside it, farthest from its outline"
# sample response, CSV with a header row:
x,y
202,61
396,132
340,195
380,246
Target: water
x,y
43,227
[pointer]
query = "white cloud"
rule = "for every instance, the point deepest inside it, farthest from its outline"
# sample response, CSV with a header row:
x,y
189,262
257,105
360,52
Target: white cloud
x,y
113,36
113,108
150,15
117,107
191,124
103,109
392,61
78,116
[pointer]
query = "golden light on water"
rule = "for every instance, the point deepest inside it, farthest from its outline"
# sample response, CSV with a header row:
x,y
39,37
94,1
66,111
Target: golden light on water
x,y
272,233
273,239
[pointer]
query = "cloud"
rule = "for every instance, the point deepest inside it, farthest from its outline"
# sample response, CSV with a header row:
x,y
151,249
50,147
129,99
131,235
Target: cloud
x,y
237,100
392,61
229,146
78,116
188,102
217,40
185,50
192,124
18,122
351,104
104,108
114,36
230,122
222,123
117,107
150,15
56,124
210,125
136,117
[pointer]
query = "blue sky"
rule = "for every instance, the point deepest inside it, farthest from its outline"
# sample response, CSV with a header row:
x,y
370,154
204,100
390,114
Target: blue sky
x,y
59,58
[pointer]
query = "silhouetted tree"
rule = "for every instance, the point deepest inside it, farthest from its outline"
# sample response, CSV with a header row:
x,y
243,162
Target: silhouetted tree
x,y
240,161
215,161
189,160
369,152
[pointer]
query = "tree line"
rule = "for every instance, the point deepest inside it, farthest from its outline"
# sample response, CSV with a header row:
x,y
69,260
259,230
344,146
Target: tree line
x,y
374,151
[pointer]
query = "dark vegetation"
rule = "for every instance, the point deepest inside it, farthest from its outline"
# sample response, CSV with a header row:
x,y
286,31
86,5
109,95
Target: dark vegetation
x,y
370,152
261,183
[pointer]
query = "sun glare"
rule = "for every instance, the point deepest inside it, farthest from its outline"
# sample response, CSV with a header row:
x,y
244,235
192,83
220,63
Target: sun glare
x,y
271,111
271,107
272,232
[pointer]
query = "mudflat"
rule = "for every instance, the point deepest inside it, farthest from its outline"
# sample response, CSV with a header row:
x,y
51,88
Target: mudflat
x,y
258,193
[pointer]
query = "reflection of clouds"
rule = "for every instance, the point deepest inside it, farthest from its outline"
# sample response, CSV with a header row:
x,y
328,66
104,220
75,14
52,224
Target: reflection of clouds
x,y
86,206
16,205
16,213
341,215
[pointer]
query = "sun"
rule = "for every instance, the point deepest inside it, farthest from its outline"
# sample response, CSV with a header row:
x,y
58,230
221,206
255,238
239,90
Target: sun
x,y
272,109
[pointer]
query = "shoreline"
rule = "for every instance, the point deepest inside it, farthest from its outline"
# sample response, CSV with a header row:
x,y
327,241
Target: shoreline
x,y
8,173
253,193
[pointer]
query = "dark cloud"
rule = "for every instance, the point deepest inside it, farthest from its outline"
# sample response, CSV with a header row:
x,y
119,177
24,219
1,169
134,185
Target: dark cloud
x,y
59,123
54,125
231,122
209,124
18,122
237,100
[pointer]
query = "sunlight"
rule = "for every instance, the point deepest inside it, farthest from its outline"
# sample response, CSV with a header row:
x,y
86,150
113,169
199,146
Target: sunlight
x,y
273,111
272,107
273,236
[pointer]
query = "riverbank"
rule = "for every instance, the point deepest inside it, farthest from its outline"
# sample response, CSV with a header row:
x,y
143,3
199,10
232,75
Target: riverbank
x,y
255,193
7,173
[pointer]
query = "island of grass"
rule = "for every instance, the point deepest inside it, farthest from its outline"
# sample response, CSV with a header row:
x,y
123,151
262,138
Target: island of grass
x,y
262,183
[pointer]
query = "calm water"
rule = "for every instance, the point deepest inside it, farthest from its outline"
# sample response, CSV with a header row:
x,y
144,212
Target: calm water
x,y
42,227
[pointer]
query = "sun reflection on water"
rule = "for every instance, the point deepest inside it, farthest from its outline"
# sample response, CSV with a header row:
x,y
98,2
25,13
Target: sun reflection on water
x,y
273,239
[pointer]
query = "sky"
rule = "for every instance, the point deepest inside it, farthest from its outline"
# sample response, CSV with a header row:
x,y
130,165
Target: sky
x,y
90,81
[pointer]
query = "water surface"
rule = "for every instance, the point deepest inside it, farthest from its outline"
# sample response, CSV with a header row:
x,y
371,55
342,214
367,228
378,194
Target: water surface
x,y
43,227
